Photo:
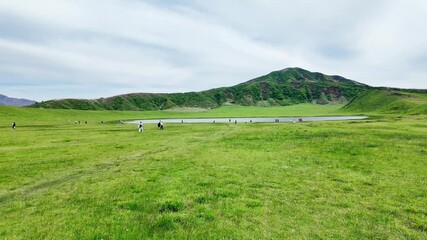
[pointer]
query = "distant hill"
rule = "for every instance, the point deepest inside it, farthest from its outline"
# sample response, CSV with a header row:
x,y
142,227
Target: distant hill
x,y
389,100
16,102
285,87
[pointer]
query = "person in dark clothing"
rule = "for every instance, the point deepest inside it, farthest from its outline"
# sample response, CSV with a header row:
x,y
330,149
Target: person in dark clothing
x,y
13,125
140,127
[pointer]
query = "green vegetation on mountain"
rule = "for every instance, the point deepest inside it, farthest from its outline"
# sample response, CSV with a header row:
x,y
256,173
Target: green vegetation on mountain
x,y
280,88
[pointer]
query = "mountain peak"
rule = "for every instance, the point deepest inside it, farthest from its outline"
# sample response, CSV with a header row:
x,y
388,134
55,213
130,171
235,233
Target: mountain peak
x,y
297,69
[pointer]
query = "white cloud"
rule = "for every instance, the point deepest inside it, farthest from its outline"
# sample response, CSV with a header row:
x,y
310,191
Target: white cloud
x,y
139,46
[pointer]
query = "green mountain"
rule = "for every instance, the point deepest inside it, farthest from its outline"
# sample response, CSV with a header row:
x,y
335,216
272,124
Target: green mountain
x,y
284,87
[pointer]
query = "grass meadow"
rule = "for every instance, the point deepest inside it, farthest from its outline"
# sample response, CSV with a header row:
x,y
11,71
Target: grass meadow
x,y
312,180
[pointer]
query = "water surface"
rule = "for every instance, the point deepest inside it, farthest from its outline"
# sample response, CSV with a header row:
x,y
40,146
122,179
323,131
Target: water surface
x,y
250,120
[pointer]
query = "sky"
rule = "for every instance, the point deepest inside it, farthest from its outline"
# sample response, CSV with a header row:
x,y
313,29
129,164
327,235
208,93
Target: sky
x,y
53,49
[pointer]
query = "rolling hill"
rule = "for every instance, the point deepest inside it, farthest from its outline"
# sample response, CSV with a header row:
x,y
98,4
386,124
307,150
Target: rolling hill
x,y
391,101
279,88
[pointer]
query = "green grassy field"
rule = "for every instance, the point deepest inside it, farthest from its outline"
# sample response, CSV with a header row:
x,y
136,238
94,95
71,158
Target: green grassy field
x,y
345,180
29,116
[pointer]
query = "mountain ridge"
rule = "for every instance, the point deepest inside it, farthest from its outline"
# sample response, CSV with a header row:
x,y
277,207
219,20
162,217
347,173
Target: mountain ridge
x,y
278,88
15,102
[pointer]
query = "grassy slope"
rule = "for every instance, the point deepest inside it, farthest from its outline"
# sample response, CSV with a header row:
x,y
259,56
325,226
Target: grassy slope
x,y
348,180
389,101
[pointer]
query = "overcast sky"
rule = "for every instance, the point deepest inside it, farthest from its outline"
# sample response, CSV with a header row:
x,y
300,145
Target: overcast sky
x,y
89,49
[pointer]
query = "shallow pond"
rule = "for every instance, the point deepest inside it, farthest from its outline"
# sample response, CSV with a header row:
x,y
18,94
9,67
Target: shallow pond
x,y
250,120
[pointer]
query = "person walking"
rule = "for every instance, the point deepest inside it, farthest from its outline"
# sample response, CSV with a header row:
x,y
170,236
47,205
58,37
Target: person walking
x,y
140,127
13,125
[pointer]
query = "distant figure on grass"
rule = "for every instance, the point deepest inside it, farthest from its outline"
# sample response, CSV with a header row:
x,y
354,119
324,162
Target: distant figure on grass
x,y
140,127
13,125
160,125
